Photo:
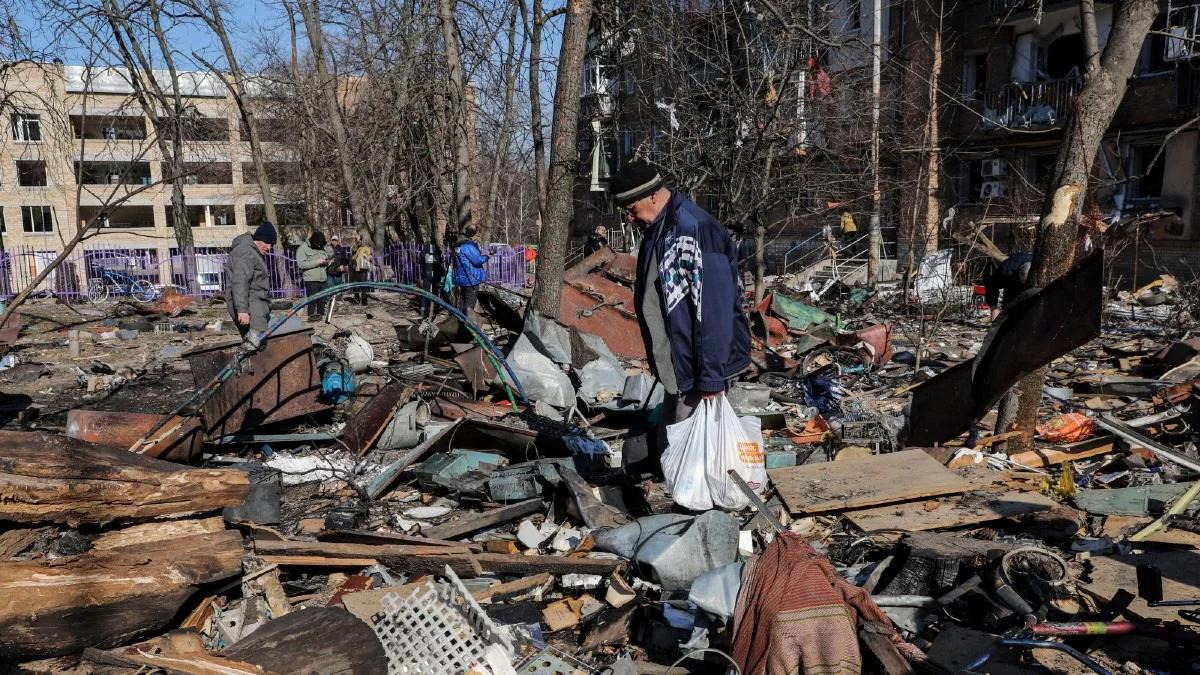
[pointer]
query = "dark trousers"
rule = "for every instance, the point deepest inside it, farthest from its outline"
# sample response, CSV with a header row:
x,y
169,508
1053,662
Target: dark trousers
x,y
360,296
467,296
316,309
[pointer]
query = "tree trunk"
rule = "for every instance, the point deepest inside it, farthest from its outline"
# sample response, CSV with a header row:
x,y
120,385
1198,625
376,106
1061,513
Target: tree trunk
x,y
458,127
498,162
236,81
563,159
535,21
329,93
1092,113
760,262
933,210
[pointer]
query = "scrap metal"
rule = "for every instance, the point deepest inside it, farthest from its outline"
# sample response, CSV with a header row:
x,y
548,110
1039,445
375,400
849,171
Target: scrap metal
x,y
279,382
1026,336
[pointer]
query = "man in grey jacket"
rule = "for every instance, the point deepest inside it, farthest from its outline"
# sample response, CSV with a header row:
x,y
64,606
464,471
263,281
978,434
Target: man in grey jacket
x,y
248,286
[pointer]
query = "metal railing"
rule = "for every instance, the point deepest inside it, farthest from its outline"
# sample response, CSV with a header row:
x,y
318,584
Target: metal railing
x,y
1020,105
74,277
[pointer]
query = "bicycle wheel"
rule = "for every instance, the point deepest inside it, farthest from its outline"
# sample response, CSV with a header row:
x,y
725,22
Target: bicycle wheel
x,y
97,290
142,290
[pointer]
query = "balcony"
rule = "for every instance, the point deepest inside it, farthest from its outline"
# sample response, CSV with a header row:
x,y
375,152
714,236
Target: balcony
x,y
1026,105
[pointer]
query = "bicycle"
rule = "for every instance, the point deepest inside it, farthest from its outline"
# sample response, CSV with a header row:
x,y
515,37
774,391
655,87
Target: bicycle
x,y
110,282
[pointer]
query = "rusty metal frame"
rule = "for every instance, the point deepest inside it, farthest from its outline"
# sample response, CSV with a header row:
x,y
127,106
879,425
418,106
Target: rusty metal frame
x,y
280,382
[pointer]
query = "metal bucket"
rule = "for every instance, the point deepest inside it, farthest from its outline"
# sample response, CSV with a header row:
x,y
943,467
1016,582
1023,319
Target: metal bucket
x,y
406,428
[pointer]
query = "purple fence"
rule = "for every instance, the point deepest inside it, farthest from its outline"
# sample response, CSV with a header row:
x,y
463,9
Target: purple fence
x,y
84,270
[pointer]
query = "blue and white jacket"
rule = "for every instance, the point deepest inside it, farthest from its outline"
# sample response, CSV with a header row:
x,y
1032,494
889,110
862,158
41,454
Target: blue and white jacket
x,y
699,294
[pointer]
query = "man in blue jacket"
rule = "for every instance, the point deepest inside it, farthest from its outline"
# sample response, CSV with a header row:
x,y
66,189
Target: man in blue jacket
x,y
470,269
686,293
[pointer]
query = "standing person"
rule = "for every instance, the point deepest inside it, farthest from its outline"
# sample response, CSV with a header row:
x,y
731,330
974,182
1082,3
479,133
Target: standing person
x,y
339,262
849,234
433,271
469,269
597,240
685,294
360,266
248,285
312,260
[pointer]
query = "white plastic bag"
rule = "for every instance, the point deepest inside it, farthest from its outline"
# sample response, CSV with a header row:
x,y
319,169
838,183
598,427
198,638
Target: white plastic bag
x,y
703,448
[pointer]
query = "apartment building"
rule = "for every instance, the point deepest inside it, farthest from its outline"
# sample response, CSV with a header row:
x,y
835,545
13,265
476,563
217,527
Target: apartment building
x,y
79,145
1016,69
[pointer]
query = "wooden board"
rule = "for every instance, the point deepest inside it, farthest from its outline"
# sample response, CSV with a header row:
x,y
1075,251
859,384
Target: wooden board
x,y
1092,447
856,483
364,427
955,512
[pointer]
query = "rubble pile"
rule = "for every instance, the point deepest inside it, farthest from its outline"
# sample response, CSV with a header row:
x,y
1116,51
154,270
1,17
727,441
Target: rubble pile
x,y
388,494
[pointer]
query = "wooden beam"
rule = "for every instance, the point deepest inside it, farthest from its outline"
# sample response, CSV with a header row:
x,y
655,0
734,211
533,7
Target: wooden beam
x,y
316,561
50,608
1065,453
50,478
475,522
433,559
511,587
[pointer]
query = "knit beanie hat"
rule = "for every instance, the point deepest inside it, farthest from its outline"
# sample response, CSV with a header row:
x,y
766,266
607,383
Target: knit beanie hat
x,y
634,181
265,233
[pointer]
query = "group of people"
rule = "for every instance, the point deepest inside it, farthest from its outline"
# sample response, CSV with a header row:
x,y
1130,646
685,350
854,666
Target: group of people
x,y
324,264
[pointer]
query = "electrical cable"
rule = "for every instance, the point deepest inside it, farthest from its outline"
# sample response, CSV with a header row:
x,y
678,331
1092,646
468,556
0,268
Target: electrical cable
x,y
714,650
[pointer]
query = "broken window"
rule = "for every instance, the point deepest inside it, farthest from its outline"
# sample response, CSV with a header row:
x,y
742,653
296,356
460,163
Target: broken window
x,y
854,16
627,145
37,218
974,83
1145,174
27,127
1062,58
31,173
1182,23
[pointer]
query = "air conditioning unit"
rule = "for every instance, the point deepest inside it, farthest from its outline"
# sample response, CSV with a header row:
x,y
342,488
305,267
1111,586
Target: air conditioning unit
x,y
993,168
993,189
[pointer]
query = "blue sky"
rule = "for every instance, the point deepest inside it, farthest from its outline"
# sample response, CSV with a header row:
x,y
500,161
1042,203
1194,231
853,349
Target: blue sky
x,y
247,20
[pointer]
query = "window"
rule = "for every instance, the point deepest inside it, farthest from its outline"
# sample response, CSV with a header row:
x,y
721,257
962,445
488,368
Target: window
x,y
37,218
27,127
974,83
627,145
31,173
1145,181
854,16
1157,50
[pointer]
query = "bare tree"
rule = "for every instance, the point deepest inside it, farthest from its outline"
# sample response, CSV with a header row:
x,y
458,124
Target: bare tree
x,y
564,154
1105,82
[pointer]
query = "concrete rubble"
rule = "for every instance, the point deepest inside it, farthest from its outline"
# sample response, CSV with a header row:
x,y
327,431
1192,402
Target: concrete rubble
x,y
371,495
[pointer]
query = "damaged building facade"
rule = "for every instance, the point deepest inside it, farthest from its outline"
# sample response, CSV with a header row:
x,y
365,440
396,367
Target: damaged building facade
x,y
73,132
758,127
1010,75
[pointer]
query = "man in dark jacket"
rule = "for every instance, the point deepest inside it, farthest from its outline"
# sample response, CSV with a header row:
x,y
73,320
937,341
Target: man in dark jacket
x,y
1011,277
247,284
470,269
686,293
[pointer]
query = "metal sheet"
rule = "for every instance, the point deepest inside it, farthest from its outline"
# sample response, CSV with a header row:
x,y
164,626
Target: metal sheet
x,y
1029,334
279,383
616,325
124,429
